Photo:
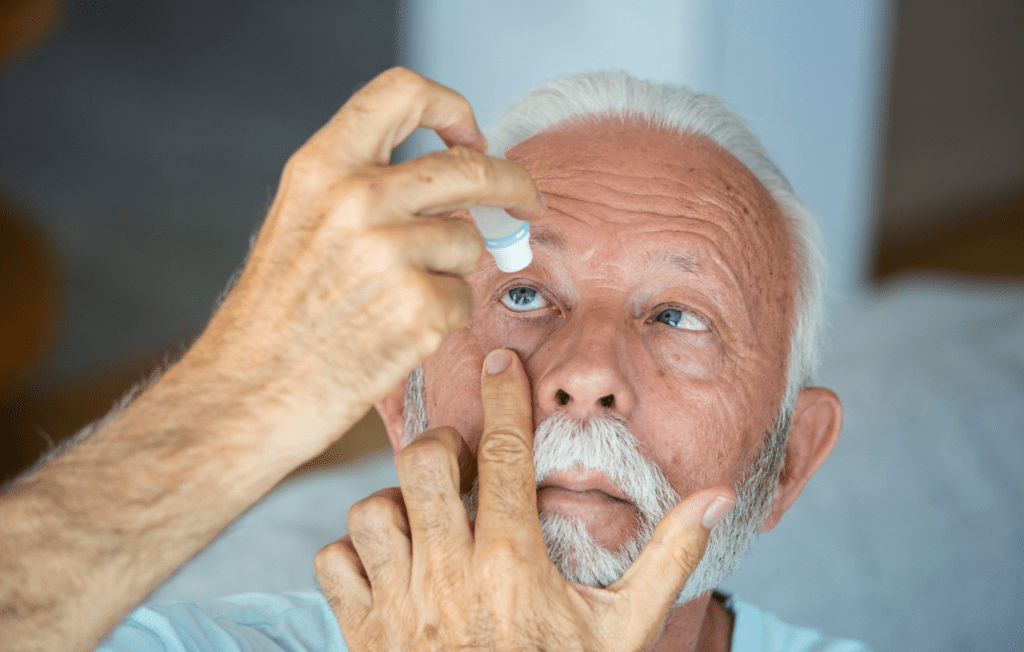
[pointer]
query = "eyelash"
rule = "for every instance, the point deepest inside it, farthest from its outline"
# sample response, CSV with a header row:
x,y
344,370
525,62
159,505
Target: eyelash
x,y
525,284
554,304
690,311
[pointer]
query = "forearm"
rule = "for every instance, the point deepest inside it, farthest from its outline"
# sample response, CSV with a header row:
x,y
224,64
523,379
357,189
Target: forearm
x,y
90,534
345,291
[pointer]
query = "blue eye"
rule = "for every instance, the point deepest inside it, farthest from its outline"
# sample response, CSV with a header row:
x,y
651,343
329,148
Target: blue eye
x,y
681,319
523,299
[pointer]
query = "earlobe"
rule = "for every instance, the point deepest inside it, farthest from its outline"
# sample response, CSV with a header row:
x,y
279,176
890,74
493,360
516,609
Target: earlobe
x,y
391,411
813,432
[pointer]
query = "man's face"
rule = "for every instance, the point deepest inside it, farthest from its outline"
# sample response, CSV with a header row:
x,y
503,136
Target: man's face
x,y
660,292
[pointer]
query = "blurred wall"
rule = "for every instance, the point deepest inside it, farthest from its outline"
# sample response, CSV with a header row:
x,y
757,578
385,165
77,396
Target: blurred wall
x,y
147,139
807,76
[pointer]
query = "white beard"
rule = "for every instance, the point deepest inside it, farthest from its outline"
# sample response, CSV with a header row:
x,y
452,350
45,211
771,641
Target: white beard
x,y
605,444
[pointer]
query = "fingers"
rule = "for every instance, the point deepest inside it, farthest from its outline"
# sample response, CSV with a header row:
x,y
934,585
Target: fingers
x,y
430,474
508,491
667,561
445,181
379,532
449,246
343,580
385,111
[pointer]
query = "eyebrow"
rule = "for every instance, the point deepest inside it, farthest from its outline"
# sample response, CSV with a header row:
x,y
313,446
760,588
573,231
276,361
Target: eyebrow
x,y
547,239
680,261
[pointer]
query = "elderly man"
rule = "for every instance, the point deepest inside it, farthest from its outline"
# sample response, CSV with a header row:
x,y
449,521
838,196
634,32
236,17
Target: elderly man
x,y
660,346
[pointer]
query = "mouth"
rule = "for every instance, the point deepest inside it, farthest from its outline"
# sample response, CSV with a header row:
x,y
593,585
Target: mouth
x,y
582,484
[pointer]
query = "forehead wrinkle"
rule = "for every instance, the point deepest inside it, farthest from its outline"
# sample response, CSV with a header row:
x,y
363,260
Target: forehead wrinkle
x,y
651,201
687,262
593,183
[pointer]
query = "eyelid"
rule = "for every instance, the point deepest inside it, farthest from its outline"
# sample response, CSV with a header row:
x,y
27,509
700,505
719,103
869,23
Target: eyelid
x,y
525,283
696,314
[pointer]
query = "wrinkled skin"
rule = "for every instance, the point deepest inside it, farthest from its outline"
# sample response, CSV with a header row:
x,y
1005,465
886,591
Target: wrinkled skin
x,y
307,340
355,275
638,222
622,200
415,575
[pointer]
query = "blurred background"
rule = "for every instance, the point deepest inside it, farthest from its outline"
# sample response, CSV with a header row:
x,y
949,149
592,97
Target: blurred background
x,y
141,143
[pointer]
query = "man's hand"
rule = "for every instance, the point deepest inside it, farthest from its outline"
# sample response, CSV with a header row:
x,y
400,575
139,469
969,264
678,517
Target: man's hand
x,y
349,286
414,575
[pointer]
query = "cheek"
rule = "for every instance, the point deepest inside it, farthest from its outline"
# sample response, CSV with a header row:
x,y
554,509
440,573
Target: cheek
x,y
685,356
496,328
451,377
694,430
452,374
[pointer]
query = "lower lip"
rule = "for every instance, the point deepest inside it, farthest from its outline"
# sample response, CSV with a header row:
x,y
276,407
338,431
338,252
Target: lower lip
x,y
560,497
611,521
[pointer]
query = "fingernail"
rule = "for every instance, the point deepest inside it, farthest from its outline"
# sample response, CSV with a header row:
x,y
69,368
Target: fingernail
x,y
716,511
497,362
543,202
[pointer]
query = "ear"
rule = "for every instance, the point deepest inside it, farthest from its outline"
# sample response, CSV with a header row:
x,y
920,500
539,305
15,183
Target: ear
x,y
813,432
391,411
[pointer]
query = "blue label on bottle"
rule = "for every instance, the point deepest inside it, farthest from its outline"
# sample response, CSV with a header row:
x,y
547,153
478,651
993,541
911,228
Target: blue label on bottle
x,y
510,239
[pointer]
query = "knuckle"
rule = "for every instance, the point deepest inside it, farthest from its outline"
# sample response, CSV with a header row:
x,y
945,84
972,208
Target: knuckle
x,y
504,447
686,558
401,76
430,342
501,558
468,240
461,309
360,192
424,454
426,467
351,202
472,166
370,514
413,294
304,167
377,249
479,170
328,557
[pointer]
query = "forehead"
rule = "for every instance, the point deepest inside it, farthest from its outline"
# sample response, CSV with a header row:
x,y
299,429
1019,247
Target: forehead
x,y
608,181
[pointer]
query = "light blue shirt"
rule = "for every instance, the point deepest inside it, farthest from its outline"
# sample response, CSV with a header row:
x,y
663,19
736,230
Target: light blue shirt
x,y
304,622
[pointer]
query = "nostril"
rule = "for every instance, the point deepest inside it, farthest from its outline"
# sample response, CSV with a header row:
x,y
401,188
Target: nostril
x,y
607,401
562,397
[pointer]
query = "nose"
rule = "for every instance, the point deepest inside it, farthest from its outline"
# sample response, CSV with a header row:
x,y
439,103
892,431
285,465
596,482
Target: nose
x,y
586,376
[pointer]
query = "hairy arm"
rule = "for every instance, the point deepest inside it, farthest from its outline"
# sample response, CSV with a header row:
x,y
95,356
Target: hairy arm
x,y
95,530
347,288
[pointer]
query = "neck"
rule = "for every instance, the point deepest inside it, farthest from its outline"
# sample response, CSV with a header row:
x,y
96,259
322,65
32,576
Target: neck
x,y
702,624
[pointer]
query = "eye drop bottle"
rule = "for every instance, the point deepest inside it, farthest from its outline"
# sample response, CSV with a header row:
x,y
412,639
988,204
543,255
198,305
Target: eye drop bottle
x,y
507,238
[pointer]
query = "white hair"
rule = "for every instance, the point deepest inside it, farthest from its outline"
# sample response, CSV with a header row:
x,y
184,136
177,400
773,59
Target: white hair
x,y
583,97
604,443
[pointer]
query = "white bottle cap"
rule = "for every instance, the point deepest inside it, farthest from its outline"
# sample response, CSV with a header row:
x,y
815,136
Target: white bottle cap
x,y
514,257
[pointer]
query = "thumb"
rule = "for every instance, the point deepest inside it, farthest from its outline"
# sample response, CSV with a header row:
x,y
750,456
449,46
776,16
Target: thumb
x,y
657,576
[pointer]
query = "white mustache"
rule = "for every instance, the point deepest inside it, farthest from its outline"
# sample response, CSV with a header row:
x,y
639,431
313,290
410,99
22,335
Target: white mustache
x,y
604,444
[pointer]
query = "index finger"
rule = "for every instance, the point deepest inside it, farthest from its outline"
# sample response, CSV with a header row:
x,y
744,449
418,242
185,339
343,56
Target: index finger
x,y
384,112
508,485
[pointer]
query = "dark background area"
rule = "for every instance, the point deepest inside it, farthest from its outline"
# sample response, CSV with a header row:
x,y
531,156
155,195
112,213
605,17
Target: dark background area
x,y
140,145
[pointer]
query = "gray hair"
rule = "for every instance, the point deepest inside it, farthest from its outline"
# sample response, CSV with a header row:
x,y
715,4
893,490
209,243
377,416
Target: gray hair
x,y
585,96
